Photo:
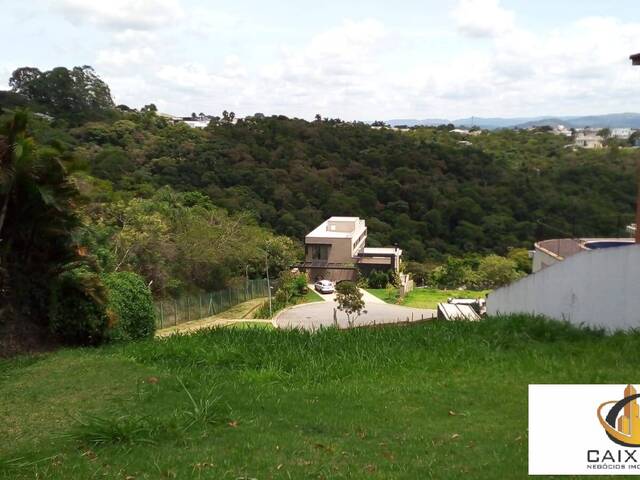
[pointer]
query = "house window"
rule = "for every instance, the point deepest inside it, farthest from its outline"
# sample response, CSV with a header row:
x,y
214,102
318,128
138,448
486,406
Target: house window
x,y
318,252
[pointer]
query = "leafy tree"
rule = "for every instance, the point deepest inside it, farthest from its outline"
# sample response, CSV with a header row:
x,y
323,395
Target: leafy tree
x,y
77,93
521,258
21,78
452,274
495,271
349,299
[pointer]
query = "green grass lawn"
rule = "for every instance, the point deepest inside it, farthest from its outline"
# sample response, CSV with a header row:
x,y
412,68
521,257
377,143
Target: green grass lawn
x,y
426,297
435,400
311,296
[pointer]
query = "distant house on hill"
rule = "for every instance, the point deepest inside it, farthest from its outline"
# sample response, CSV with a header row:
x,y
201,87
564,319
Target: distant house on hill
x,y
335,250
588,140
621,133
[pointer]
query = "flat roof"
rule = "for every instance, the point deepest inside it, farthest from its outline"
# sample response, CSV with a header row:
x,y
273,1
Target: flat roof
x,y
382,250
321,231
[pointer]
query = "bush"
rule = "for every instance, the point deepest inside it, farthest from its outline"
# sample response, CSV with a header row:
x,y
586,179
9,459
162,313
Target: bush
x,y
452,274
521,257
130,300
495,271
291,287
378,279
77,308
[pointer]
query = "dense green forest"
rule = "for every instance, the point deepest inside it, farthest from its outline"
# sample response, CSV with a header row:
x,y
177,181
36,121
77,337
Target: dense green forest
x,y
198,209
422,190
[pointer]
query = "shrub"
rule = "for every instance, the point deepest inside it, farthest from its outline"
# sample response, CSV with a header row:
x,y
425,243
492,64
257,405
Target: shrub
x,y
300,282
378,279
130,300
290,286
521,257
495,271
77,307
452,274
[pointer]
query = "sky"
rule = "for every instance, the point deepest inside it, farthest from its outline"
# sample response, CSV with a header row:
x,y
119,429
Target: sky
x,y
355,60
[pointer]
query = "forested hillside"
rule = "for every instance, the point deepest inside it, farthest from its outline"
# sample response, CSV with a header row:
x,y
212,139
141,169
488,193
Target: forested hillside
x,y
421,190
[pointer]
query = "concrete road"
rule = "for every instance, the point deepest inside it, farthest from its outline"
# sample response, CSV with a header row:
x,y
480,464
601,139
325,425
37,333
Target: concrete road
x,y
314,315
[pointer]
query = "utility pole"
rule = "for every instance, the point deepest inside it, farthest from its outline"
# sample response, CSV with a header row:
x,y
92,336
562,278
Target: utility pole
x,y
635,60
246,283
266,262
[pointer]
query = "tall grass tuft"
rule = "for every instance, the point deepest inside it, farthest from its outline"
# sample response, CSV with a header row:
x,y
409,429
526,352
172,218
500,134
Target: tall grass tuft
x,y
201,411
97,430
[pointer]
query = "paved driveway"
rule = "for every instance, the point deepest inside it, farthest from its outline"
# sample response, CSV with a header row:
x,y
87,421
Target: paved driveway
x,y
314,315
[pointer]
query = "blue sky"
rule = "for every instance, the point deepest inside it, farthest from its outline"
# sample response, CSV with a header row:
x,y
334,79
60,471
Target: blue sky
x,y
353,60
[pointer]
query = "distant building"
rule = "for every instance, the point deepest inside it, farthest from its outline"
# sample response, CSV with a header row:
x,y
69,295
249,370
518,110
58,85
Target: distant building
x,y
621,133
44,116
588,140
459,131
335,250
198,121
170,118
561,130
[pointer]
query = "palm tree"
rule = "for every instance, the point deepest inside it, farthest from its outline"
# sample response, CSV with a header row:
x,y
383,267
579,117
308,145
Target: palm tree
x,y
37,218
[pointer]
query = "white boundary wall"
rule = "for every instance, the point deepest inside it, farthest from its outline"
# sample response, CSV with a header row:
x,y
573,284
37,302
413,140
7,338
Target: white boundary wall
x,y
595,287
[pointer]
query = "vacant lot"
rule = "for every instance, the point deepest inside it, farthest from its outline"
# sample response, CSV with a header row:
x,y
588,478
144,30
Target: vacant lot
x,y
425,297
436,400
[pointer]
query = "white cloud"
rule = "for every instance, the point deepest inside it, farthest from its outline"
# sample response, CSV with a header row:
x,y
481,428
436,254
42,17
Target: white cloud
x,y
122,14
483,18
345,71
115,59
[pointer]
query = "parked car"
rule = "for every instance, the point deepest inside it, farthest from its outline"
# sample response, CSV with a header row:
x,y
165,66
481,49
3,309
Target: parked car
x,y
324,286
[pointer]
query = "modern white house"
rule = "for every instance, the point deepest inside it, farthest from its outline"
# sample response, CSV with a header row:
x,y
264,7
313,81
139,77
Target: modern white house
x,y
335,250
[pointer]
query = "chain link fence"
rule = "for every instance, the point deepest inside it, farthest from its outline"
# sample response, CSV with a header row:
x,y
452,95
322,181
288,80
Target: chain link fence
x,y
171,312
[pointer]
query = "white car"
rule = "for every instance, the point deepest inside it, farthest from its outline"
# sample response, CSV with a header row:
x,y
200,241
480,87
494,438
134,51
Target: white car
x,y
324,286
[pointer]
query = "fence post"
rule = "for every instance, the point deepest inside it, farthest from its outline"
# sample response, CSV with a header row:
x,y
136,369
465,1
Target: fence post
x,y
175,312
188,310
200,300
161,314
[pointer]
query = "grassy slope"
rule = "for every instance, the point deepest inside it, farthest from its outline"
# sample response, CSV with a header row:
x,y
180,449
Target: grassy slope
x,y
309,297
427,297
433,400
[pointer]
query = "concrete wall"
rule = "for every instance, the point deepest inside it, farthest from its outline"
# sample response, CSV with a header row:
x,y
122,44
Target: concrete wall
x,y
594,287
542,259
